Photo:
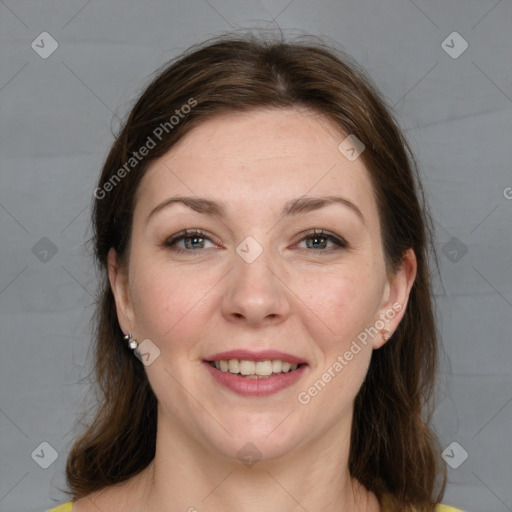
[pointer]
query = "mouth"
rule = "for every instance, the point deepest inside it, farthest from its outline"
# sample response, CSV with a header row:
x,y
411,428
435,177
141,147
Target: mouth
x,y
255,374
255,369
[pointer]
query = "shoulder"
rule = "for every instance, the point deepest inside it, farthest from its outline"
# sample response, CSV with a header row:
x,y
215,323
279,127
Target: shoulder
x,y
68,507
114,498
387,506
65,507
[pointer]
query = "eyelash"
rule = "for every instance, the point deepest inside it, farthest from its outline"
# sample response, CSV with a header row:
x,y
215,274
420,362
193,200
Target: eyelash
x,y
339,242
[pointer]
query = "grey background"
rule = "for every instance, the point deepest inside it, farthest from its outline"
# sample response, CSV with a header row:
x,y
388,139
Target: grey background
x,y
56,119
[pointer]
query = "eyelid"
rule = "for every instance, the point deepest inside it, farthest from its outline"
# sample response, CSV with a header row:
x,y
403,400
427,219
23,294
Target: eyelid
x,y
186,233
339,242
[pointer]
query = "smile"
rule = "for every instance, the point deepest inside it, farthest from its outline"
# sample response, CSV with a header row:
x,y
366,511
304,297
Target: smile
x,y
254,369
255,374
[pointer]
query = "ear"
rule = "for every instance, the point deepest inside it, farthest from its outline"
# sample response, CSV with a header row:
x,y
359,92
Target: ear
x,y
395,297
118,278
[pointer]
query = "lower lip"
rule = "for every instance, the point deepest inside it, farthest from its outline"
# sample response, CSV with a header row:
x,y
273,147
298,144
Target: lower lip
x,y
255,387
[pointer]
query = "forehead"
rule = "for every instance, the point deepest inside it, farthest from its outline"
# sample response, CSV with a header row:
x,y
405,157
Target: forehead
x,y
259,157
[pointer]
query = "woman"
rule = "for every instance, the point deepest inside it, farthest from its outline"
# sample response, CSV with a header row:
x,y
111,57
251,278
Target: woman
x,y
266,337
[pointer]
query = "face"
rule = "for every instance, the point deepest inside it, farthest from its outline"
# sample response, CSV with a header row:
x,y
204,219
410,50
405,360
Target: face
x,y
272,262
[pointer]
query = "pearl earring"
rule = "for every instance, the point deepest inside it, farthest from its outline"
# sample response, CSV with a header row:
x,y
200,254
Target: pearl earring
x,y
132,342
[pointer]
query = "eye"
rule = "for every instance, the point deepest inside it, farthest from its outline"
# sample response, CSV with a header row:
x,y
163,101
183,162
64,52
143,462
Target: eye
x,y
195,240
189,240
323,241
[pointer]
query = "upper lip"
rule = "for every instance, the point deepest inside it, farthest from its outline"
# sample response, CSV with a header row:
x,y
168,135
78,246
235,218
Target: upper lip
x,y
250,355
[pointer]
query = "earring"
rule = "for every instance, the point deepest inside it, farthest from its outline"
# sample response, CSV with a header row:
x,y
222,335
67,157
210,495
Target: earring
x,y
132,342
385,334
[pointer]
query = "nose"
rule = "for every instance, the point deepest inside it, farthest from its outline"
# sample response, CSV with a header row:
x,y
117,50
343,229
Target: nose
x,y
256,294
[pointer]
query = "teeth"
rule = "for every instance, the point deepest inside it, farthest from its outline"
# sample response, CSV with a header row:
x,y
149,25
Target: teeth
x,y
247,367
277,366
234,366
253,369
264,368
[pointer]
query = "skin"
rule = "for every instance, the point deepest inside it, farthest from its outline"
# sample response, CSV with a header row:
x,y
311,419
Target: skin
x,y
308,302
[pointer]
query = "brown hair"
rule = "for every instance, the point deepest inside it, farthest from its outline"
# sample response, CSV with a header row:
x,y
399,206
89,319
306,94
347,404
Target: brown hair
x,y
394,453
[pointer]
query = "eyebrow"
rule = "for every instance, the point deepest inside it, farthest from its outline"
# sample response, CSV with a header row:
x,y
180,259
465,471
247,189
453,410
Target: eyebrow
x,y
293,207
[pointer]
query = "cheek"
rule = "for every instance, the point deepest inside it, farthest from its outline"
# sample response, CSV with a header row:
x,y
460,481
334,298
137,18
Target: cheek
x,y
169,301
344,304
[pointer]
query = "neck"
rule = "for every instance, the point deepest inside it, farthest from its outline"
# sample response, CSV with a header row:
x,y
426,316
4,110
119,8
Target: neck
x,y
187,476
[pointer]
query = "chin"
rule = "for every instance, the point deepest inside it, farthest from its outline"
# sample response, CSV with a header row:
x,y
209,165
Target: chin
x,y
264,437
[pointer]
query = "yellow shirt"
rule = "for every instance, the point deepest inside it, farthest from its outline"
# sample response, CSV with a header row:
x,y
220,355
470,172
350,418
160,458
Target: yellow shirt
x,y
68,507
